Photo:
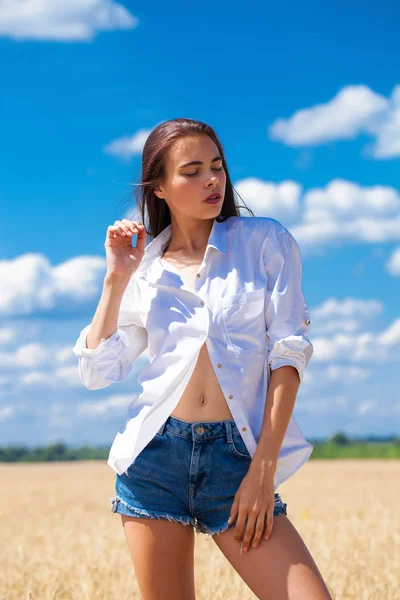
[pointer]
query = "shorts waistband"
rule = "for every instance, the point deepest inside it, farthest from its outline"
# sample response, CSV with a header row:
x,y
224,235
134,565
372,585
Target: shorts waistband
x,y
199,430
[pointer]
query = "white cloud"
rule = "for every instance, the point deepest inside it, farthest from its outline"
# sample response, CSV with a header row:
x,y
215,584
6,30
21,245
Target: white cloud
x,y
341,213
354,111
347,316
62,377
365,347
31,285
6,412
62,21
278,200
6,335
38,370
346,376
29,355
393,264
367,406
391,336
342,199
103,407
324,405
387,142
127,146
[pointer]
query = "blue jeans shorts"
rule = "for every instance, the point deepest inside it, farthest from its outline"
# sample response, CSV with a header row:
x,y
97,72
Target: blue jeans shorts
x,y
188,473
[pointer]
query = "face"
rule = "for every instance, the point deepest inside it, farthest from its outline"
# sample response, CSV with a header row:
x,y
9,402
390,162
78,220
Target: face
x,y
187,186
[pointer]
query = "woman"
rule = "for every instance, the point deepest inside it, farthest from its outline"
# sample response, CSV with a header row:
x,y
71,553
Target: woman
x,y
216,299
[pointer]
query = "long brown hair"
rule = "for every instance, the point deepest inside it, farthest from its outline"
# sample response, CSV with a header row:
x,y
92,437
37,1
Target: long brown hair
x,y
154,153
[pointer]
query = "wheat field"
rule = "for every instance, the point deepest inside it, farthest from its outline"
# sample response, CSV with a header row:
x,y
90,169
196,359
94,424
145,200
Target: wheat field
x,y
60,540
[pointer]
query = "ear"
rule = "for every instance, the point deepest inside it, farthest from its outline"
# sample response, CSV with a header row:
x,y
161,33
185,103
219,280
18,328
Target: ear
x,y
158,192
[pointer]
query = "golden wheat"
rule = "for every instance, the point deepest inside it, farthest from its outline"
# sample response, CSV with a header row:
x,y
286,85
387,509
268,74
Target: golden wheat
x,y
60,540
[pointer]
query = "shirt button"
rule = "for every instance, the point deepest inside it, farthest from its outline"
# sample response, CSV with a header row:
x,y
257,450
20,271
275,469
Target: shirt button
x,y
230,396
198,275
307,321
219,366
244,428
202,303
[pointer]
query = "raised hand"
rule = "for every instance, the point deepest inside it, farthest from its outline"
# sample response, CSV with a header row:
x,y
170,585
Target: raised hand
x,y
123,258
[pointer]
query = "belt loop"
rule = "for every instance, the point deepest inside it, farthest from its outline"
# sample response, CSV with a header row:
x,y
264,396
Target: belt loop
x,y
228,428
161,430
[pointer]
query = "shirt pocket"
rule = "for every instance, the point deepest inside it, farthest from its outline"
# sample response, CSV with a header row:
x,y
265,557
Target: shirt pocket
x,y
244,321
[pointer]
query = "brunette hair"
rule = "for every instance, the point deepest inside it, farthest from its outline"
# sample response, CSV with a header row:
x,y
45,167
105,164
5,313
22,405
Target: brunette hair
x,y
155,149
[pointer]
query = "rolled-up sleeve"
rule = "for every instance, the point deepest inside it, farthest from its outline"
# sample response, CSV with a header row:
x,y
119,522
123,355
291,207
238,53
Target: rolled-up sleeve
x,y
286,312
112,361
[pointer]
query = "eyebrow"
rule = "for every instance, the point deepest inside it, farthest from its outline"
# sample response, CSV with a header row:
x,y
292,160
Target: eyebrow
x,y
198,162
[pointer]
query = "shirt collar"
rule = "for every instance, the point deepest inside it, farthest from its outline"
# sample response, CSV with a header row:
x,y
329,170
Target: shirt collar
x,y
154,250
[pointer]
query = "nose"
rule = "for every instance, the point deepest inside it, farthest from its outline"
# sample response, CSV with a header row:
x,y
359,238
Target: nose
x,y
214,179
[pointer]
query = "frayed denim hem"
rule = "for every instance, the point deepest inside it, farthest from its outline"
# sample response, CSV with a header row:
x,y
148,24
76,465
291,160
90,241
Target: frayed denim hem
x,y
132,511
280,508
214,530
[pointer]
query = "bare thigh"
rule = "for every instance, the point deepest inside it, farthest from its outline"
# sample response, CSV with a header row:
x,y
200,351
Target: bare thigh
x,y
281,568
163,557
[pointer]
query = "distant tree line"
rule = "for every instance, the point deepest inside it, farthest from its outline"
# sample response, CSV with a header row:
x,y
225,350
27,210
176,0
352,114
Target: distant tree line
x,y
54,452
338,445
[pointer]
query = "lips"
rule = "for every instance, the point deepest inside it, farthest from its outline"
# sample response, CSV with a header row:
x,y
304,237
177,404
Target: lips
x,y
215,196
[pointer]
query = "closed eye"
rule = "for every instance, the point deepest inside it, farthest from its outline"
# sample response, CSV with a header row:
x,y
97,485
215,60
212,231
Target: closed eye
x,y
197,172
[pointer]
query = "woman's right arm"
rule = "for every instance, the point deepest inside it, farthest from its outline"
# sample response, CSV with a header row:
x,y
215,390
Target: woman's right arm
x,y
108,346
106,316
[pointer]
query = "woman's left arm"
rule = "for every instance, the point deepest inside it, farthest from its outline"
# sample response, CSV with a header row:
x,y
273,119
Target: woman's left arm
x,y
279,405
289,350
255,498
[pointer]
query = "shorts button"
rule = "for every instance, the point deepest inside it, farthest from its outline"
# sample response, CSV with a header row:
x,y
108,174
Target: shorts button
x,y
307,321
202,303
200,430
219,366
230,396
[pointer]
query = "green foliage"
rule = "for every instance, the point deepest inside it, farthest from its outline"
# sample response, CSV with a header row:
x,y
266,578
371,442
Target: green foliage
x,y
340,439
55,452
338,445
356,450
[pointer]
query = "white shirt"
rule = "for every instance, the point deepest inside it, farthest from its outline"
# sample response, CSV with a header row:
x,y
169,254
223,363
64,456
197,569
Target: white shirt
x,y
247,306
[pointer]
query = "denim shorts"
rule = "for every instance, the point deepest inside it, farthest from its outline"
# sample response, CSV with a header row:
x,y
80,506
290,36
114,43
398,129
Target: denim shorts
x,y
188,473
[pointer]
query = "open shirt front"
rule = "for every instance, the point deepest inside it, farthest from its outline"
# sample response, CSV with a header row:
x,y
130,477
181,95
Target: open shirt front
x,y
247,305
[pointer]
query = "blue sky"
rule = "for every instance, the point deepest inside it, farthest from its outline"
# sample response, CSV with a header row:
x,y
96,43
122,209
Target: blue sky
x,y
306,101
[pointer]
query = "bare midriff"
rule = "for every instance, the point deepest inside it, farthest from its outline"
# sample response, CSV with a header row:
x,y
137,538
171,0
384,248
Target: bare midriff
x,y
203,399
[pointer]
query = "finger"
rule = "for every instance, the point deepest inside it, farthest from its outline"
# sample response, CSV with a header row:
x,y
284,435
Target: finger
x,y
240,525
139,230
249,532
260,525
270,522
121,227
129,226
114,231
234,511
133,226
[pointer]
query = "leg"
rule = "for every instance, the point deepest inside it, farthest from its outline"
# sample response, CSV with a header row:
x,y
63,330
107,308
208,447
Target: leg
x,y
281,568
163,557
